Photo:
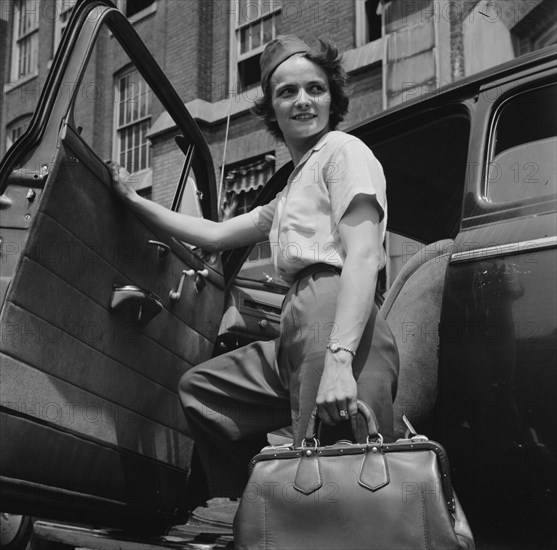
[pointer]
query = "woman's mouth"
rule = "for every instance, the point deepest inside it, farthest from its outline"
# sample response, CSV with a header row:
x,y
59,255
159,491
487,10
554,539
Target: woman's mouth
x,y
305,116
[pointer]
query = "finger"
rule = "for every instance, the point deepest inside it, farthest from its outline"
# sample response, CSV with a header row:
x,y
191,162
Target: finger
x,y
333,411
324,414
113,172
115,169
352,407
342,408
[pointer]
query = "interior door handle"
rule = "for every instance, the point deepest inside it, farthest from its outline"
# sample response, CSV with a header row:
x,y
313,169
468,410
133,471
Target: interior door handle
x,y
135,304
200,276
200,279
175,295
162,248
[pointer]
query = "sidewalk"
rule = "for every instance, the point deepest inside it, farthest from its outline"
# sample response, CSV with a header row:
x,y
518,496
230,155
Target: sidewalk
x,y
209,527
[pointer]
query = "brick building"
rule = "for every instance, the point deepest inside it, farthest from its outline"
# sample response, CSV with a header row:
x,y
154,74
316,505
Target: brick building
x,y
393,50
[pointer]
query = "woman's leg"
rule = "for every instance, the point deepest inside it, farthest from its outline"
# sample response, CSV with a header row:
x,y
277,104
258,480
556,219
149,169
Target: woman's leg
x,y
308,325
230,403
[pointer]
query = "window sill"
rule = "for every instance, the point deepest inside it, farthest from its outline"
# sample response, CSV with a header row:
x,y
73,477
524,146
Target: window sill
x,y
10,86
363,56
140,15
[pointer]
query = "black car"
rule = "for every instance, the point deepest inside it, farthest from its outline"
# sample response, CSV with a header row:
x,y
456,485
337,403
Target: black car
x,y
101,314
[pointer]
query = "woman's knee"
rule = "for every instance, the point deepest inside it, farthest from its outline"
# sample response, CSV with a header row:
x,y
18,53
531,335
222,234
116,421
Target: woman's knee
x,y
188,387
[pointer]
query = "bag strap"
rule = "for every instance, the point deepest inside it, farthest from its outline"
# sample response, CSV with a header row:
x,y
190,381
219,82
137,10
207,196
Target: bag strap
x,y
365,410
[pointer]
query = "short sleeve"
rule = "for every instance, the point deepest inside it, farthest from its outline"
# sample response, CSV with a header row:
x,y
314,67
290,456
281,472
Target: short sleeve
x,y
262,216
354,170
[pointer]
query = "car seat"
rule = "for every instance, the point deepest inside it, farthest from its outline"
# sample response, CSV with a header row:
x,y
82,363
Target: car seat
x,y
412,309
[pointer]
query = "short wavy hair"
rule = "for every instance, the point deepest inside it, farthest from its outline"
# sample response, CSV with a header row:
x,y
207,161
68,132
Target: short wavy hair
x,y
328,58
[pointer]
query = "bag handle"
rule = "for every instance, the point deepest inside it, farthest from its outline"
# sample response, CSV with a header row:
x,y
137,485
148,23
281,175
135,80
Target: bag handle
x,y
363,408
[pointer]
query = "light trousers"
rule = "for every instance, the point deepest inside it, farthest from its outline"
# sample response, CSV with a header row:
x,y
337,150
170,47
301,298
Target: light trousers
x,y
232,401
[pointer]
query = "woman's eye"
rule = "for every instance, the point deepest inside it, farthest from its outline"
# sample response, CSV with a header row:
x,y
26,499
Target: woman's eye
x,y
316,89
286,92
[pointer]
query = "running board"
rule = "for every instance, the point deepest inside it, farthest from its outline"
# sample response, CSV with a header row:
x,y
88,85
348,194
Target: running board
x,y
183,537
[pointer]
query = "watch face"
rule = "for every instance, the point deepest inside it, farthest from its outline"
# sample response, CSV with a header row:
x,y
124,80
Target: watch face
x,y
334,347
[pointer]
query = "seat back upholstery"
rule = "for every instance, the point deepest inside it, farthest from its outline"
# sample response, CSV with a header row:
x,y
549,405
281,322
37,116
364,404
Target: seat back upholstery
x,y
412,309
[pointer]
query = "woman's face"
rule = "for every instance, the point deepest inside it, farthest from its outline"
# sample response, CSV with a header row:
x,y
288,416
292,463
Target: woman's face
x,y
301,100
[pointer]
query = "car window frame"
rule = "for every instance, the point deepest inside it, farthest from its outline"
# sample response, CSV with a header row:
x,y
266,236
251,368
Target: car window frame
x,y
492,142
477,209
82,32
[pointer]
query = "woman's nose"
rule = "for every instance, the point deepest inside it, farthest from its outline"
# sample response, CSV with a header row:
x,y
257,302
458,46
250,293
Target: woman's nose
x,y
302,98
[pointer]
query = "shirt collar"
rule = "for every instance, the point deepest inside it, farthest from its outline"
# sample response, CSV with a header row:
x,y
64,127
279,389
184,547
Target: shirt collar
x,y
316,147
321,142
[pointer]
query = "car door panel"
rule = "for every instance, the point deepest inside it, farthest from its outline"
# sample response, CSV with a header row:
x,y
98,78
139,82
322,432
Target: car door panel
x,y
73,298
254,297
91,420
105,377
120,488
119,240
251,314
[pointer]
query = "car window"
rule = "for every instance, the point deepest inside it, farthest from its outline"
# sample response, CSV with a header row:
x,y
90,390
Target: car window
x,y
258,266
424,158
524,147
189,200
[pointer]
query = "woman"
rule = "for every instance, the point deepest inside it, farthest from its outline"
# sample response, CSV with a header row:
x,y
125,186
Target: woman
x,y
326,230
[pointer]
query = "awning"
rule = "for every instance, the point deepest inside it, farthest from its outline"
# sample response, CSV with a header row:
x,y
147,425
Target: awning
x,y
249,177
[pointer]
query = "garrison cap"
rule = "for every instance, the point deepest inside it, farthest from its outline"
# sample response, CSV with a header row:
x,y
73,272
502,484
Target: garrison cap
x,y
277,51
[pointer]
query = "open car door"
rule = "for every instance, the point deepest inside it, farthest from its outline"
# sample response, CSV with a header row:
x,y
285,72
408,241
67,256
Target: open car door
x,y
101,314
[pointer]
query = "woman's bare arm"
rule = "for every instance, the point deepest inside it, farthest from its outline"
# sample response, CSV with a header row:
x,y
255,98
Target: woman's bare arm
x,y
360,235
232,233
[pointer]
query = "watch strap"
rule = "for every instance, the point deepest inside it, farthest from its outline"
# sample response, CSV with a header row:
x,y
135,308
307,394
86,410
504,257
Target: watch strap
x,y
338,347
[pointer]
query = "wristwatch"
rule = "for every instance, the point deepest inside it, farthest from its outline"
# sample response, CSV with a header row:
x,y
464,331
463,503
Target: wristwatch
x,y
337,347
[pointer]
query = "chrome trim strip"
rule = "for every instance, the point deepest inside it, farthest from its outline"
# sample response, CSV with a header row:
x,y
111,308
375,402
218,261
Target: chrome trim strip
x,y
503,249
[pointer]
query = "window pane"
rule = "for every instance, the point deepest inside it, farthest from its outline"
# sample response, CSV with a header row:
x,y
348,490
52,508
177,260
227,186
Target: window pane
x,y
244,40
15,132
524,163
373,20
21,65
277,25
25,17
255,36
135,104
242,11
144,101
249,72
252,12
34,45
267,30
528,117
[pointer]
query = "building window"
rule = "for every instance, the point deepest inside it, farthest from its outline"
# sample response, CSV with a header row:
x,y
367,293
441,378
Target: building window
x,y
26,39
133,120
255,24
63,12
15,130
368,21
537,30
